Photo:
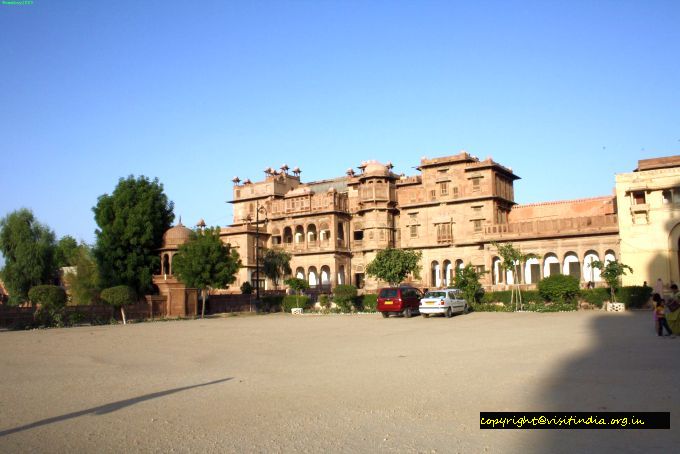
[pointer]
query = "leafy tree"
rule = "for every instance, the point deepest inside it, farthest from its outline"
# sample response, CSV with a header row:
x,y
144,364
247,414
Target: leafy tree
x,y
28,248
206,262
51,299
247,288
131,223
611,272
393,265
513,259
84,282
66,252
344,295
276,264
119,297
298,285
467,281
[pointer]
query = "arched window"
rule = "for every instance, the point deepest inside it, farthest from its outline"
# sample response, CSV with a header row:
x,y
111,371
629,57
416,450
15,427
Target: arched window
x,y
287,235
300,272
532,270
341,275
497,271
551,265
572,265
435,271
311,233
325,276
313,276
448,273
591,274
299,234
609,256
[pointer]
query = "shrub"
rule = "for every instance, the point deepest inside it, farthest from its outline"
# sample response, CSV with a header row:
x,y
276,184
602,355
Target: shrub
x,y
269,303
489,307
52,300
246,288
344,296
324,301
634,295
291,301
559,288
556,306
503,296
119,297
595,297
367,302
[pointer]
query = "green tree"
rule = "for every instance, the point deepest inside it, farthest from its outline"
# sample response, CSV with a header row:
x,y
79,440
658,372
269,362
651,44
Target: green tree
x,y
276,264
206,262
611,272
131,223
28,248
298,285
83,283
513,259
467,281
52,300
393,265
119,297
66,252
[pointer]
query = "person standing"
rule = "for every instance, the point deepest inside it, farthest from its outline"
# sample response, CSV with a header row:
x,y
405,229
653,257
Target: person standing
x,y
673,309
660,310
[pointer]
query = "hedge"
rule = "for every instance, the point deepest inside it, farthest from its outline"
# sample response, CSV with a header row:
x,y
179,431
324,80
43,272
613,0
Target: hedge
x,y
634,295
50,297
559,288
367,302
595,296
269,303
291,301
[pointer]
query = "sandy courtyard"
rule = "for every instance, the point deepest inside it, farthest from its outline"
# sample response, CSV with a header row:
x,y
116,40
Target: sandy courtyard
x,y
281,383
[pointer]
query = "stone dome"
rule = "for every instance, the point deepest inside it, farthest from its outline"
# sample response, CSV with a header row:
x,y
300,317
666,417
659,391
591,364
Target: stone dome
x,y
375,168
176,236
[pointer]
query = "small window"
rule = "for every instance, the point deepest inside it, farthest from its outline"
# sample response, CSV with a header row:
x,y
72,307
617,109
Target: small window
x,y
433,194
481,269
455,191
667,197
477,225
475,184
414,231
639,198
358,235
443,188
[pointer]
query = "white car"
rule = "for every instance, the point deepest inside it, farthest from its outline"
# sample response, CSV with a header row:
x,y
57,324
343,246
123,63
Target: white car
x,y
447,301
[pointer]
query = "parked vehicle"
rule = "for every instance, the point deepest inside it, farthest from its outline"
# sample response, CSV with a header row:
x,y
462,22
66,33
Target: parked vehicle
x,y
399,300
447,301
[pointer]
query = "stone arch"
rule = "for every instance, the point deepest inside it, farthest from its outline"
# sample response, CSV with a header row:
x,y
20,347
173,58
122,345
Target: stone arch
x,y
299,234
448,273
591,274
435,274
311,233
459,265
300,272
532,270
166,264
497,274
551,265
276,236
312,276
571,265
287,235
325,275
609,256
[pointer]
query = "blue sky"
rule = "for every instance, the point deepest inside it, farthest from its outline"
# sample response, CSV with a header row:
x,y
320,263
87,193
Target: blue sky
x,y
194,93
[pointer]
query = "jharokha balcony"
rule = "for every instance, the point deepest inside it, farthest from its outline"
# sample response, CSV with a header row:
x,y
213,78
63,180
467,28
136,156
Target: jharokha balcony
x,y
606,223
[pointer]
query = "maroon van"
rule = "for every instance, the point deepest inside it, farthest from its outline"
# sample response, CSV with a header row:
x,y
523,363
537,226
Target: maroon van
x,y
399,300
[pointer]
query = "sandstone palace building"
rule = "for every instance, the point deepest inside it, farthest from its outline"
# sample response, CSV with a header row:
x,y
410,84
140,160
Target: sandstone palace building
x,y
452,211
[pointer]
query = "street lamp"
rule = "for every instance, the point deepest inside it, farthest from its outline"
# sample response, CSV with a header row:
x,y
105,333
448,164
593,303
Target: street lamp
x,y
258,209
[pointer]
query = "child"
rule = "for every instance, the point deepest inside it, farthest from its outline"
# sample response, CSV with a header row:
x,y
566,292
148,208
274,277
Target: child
x,y
660,311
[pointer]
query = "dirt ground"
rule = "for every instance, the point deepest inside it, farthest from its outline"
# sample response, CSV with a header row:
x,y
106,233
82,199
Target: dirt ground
x,y
282,383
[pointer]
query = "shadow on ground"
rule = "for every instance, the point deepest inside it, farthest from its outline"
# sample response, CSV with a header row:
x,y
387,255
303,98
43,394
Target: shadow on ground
x,y
629,369
107,408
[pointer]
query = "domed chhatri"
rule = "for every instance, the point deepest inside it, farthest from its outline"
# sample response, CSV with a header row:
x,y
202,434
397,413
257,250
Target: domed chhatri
x,y
375,168
176,236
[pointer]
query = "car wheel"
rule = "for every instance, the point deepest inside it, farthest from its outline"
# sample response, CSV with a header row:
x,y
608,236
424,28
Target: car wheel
x,y
466,309
426,315
449,312
407,312
385,314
